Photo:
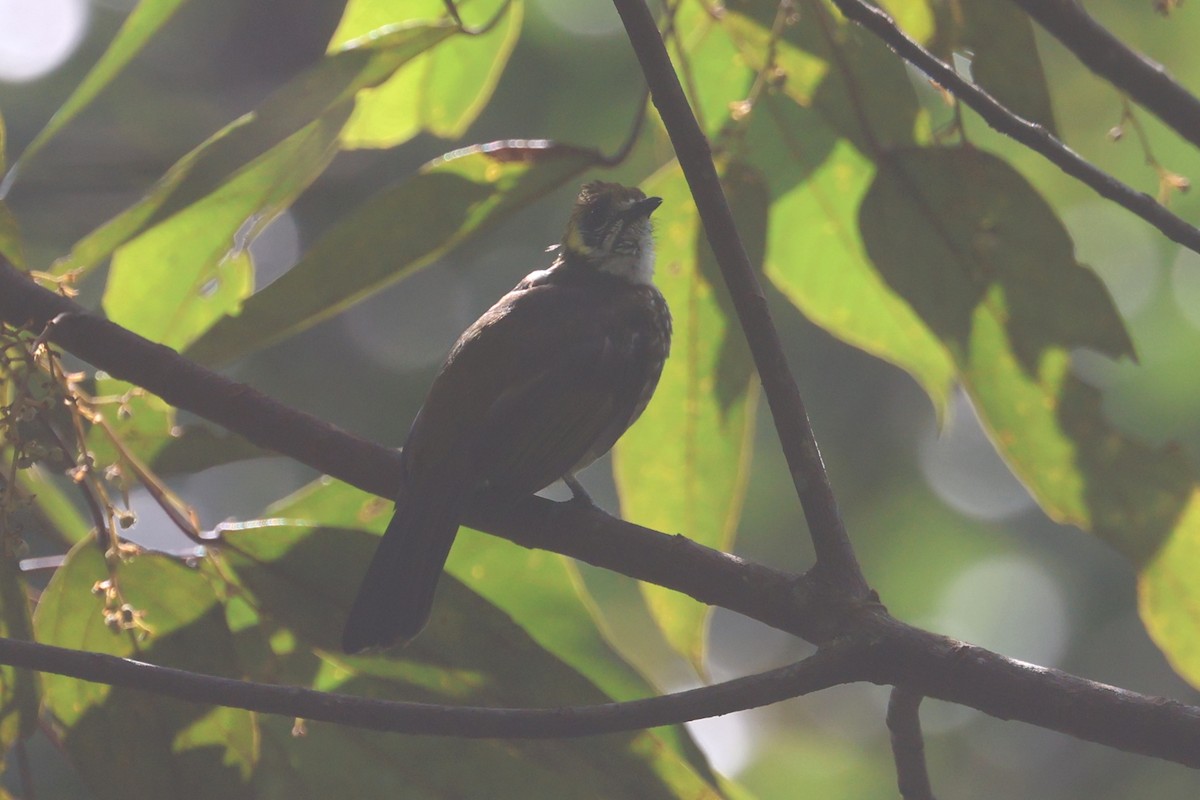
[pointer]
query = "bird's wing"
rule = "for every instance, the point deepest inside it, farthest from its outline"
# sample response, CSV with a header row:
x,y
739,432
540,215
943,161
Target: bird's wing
x,y
533,389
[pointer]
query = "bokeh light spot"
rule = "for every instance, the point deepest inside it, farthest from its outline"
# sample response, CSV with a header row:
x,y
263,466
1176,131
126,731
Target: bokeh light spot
x,y
1009,604
1185,285
962,467
36,36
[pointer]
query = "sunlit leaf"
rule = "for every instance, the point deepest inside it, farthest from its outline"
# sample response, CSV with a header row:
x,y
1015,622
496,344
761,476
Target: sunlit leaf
x,y
1169,595
173,281
11,246
399,230
798,72
713,69
313,95
471,654
815,255
834,66
440,92
981,257
914,17
125,743
139,28
683,465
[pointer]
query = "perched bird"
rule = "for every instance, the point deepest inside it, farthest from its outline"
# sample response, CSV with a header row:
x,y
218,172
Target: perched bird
x,y
540,386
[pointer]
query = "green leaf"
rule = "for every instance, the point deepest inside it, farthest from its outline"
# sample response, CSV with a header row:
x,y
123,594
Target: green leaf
x,y
55,513
712,67
173,281
323,92
440,92
126,743
837,68
11,245
139,27
522,583
144,423
192,448
396,232
1169,595
683,465
984,261
471,654
1003,54
815,255
799,71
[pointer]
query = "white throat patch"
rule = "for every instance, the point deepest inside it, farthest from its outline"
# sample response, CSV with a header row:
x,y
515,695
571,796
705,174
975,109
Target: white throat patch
x,y
635,267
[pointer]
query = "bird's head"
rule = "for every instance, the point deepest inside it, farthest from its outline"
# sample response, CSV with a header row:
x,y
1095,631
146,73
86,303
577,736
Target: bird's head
x,y
610,231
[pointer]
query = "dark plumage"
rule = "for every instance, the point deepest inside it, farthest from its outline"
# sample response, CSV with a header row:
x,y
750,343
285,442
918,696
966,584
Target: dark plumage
x,y
537,388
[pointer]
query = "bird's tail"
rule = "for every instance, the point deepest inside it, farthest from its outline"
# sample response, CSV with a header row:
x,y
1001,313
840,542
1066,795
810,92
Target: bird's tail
x,y
396,596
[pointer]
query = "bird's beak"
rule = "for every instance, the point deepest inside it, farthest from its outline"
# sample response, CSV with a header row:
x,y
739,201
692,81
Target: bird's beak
x,y
643,208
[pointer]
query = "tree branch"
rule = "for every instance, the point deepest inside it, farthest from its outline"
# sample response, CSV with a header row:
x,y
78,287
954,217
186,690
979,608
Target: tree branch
x,y
894,654
836,563
1106,55
908,746
827,667
1033,136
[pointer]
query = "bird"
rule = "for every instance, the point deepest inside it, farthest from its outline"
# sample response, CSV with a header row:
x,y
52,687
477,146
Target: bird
x,y
536,389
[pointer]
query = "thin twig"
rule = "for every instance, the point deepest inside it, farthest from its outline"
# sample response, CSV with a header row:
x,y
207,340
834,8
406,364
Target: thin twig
x,y
475,30
1033,136
827,667
1106,55
631,139
908,746
836,562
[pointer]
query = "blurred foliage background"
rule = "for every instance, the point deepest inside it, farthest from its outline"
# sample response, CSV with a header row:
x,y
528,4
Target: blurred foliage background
x,y
948,536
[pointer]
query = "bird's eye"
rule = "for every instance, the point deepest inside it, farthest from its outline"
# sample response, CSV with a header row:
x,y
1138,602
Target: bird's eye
x,y
593,218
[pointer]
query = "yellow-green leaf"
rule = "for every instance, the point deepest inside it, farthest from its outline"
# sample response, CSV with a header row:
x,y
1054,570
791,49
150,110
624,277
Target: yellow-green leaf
x,y
323,92
139,27
441,91
815,255
396,232
126,743
682,467
984,261
471,654
1169,594
174,280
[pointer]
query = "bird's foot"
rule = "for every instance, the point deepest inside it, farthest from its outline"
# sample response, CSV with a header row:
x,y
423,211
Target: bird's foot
x,y
579,495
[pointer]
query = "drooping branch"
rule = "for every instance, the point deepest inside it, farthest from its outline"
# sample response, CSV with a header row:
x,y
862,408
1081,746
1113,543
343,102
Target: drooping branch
x,y
836,562
827,667
1145,81
1033,136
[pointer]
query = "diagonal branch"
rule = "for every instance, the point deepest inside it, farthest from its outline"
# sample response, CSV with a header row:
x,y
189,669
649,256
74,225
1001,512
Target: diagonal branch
x,y
1106,55
836,562
1033,136
827,667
